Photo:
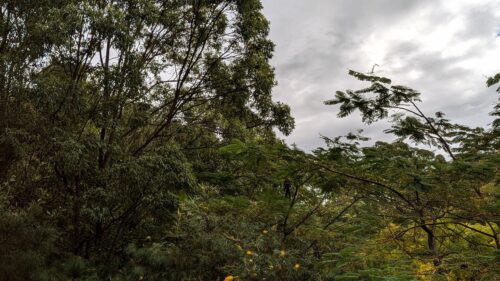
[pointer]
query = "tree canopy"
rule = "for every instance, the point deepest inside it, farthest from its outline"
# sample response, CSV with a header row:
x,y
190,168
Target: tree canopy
x,y
138,142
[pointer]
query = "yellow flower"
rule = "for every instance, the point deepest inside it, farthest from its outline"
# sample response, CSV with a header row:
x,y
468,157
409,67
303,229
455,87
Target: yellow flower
x,y
229,278
296,266
264,231
282,253
249,253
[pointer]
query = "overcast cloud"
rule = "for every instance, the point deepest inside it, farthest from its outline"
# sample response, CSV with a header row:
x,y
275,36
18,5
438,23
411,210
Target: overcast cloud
x,y
444,49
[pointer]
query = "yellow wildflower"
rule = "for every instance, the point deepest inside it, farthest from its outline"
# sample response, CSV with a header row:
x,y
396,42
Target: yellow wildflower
x,y
282,253
264,231
229,278
296,266
249,253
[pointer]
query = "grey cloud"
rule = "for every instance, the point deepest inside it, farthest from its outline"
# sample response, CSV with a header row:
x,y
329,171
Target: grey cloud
x,y
318,41
480,22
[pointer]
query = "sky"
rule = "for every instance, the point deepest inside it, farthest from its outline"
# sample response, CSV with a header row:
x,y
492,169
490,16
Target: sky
x,y
445,49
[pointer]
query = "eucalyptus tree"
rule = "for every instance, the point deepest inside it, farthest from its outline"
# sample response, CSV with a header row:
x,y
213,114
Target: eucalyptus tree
x,y
112,91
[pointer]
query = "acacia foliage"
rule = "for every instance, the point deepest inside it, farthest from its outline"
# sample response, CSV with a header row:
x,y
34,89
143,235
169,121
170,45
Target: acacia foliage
x,y
137,143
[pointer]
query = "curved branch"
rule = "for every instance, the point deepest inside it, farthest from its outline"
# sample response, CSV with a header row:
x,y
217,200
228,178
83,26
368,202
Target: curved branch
x,y
397,193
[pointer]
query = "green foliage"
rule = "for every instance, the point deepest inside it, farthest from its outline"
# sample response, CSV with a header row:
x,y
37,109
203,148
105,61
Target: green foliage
x,y
496,110
27,241
213,238
137,142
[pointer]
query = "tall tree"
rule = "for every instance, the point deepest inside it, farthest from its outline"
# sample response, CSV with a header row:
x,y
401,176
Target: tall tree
x,y
99,97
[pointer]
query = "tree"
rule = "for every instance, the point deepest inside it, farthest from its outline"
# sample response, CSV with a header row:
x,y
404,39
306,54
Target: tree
x,y
100,97
423,189
138,143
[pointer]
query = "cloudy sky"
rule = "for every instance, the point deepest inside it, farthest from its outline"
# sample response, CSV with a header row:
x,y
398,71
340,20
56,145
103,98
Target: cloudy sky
x,y
445,49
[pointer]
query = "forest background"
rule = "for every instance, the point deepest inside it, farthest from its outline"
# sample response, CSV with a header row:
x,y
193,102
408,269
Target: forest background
x,y
138,142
